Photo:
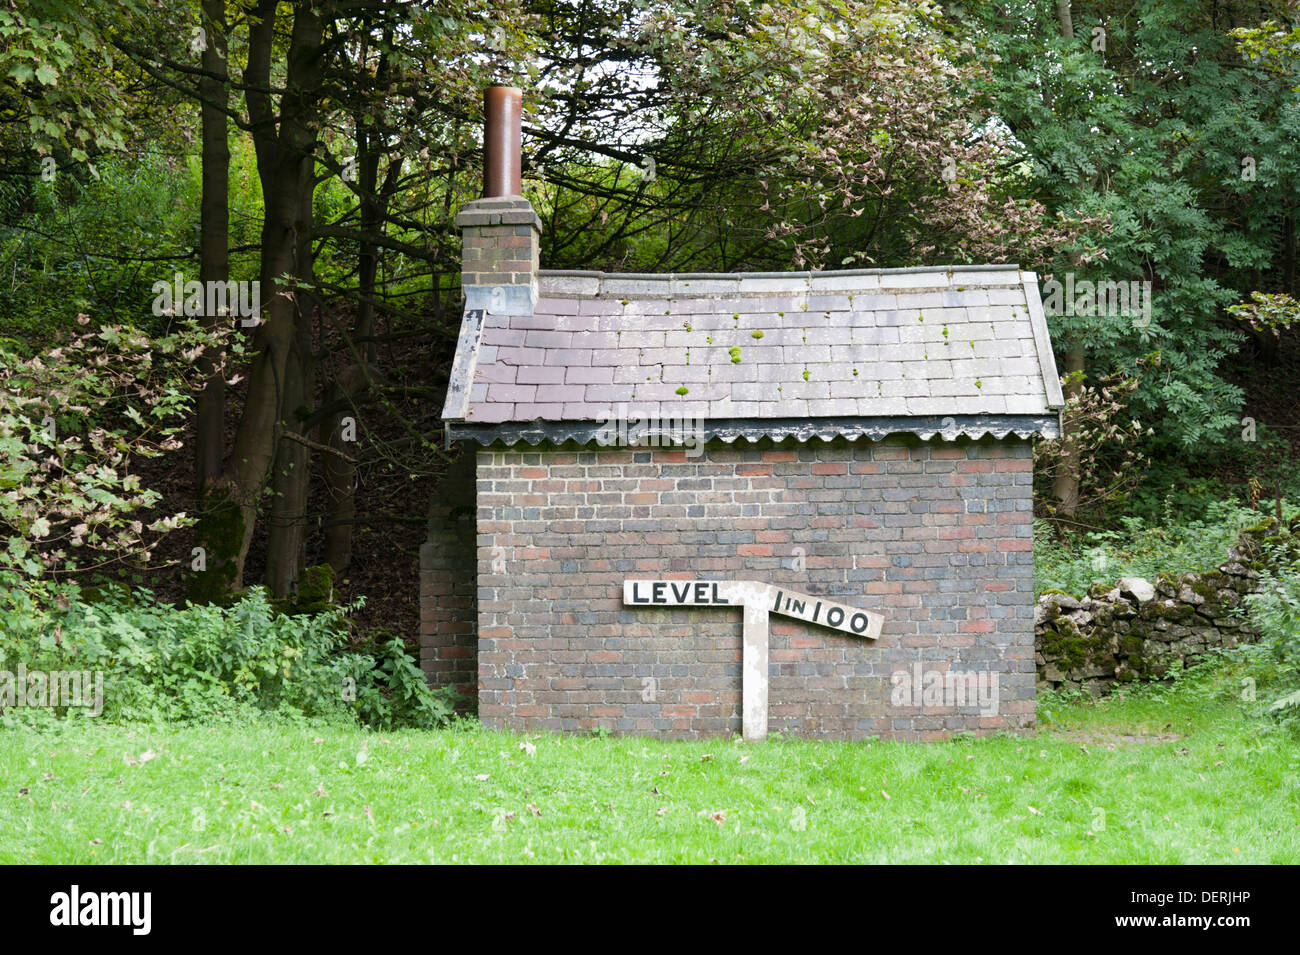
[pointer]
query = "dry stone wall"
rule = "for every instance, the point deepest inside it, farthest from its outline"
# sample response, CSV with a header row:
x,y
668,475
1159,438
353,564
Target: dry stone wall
x,y
1138,629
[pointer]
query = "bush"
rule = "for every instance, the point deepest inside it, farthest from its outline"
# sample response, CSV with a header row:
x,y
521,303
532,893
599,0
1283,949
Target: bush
x,y
201,663
1275,611
73,422
1072,562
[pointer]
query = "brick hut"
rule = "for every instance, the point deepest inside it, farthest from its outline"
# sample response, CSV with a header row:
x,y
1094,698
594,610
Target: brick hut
x,y
694,505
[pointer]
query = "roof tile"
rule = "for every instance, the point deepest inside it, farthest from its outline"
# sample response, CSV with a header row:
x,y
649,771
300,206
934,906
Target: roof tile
x,y
880,343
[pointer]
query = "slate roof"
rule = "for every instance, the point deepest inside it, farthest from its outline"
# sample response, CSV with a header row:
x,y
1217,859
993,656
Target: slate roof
x,y
933,350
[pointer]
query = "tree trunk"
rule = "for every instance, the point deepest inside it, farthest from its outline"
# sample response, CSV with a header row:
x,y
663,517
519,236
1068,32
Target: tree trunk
x,y
1065,19
286,167
1065,486
214,235
291,479
340,474
210,580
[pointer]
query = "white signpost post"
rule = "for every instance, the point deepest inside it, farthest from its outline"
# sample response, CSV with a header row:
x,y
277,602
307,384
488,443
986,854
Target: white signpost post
x,y
758,601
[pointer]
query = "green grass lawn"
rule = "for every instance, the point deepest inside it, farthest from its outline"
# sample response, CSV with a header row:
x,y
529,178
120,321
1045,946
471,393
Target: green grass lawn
x,y
1159,777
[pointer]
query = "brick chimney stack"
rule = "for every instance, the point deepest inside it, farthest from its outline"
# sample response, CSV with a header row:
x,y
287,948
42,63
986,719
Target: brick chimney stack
x,y
500,233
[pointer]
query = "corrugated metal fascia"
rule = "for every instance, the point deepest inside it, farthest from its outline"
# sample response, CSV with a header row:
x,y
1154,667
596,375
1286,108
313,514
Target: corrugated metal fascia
x,y
753,430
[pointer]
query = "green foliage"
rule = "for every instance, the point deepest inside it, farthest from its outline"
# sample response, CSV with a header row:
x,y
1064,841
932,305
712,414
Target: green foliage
x,y
1267,313
1105,441
1072,561
826,133
98,243
56,56
72,421
203,663
1159,129
1275,611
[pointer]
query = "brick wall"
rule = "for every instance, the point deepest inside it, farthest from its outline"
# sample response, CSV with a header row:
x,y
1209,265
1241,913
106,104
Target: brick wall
x,y
448,598
937,537
500,242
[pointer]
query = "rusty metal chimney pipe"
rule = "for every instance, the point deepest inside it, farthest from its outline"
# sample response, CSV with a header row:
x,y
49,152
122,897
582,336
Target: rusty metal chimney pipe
x,y
502,156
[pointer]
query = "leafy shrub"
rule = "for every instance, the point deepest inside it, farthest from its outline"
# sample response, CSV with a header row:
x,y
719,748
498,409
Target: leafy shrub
x,y
1106,441
208,662
1275,611
1072,562
72,423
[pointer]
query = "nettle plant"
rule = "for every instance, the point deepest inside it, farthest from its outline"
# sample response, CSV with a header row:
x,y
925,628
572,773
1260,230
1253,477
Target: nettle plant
x,y
72,422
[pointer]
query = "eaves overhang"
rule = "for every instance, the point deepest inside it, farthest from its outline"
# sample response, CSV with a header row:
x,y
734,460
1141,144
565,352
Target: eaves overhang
x,y
753,430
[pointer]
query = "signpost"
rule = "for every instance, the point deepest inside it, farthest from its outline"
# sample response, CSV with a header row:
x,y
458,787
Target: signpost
x,y
758,601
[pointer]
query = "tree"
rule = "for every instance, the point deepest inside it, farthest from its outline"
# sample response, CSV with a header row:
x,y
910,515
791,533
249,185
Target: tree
x,y
1152,127
728,136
